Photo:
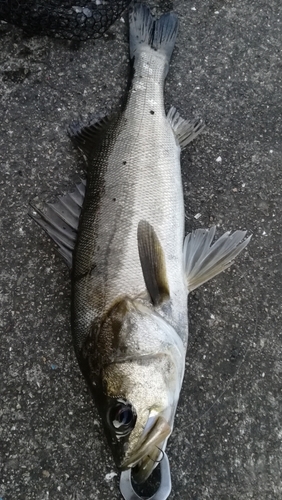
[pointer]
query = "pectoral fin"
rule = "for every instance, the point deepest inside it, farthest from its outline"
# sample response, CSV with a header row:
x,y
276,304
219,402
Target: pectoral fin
x,y
152,262
204,260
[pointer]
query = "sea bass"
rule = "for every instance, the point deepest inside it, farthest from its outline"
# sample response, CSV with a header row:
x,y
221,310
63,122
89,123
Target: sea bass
x,y
132,267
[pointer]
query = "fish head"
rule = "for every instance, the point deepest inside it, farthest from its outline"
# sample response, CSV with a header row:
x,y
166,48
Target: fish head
x,y
140,389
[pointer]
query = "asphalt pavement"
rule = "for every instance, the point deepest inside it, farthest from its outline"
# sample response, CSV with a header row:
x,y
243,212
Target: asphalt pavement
x,y
227,441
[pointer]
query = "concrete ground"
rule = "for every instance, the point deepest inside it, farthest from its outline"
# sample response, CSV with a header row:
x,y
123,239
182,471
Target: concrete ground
x,y
227,439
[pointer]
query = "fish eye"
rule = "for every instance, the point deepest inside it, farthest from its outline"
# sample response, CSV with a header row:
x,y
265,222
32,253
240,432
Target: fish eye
x,y
122,418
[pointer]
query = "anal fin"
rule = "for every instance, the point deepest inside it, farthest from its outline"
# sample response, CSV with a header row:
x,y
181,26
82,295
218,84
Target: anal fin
x,y
185,131
204,260
152,261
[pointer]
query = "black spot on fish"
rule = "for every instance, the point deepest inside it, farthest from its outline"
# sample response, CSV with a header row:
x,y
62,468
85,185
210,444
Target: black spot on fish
x,y
124,162
152,112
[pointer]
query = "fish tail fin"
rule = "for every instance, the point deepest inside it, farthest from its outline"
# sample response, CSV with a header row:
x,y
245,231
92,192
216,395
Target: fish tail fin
x,y
204,260
147,31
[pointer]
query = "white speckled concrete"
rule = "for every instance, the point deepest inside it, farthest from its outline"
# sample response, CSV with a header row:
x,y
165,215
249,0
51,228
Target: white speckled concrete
x,y
226,444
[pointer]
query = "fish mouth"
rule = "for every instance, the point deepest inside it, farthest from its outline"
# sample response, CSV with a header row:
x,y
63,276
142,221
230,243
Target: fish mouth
x,y
148,450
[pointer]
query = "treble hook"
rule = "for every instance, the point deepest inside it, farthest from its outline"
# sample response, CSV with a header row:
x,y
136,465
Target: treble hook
x,y
128,493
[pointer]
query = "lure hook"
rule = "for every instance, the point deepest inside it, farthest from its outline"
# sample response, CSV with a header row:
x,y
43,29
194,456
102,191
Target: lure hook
x,y
163,491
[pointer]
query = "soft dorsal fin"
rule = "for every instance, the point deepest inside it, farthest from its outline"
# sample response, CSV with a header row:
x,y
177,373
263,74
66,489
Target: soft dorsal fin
x,y
185,131
60,219
152,261
88,138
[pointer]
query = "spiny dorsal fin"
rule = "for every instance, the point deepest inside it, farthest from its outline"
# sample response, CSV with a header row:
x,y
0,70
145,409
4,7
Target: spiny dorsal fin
x,y
60,219
88,138
185,131
204,260
152,262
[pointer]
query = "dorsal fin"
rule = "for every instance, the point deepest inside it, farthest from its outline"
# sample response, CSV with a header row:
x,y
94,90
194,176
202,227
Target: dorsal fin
x,y
60,219
88,138
152,261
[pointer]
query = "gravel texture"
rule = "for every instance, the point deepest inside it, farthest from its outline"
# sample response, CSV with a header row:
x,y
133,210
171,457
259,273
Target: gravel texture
x,y
227,439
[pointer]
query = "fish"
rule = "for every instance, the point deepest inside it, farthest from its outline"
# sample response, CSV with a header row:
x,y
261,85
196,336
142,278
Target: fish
x,y
122,233
79,20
